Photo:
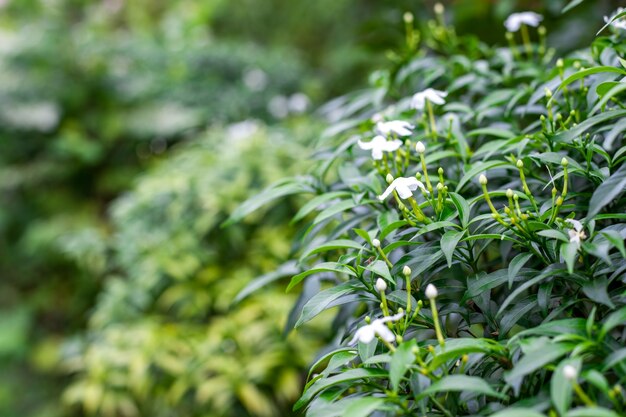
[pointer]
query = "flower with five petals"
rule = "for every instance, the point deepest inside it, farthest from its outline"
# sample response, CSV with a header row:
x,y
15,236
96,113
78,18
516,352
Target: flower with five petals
x,y
379,144
404,186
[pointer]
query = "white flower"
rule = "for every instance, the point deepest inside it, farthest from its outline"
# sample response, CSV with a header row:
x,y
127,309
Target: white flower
x,y
516,20
431,292
404,187
619,23
570,372
381,285
434,96
367,333
398,127
376,243
577,234
380,144
419,147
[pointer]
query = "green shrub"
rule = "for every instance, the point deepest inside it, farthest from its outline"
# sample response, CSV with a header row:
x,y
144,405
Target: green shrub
x,y
488,230
163,339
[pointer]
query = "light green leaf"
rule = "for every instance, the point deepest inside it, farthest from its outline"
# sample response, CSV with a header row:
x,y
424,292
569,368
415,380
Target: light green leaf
x,y
460,383
380,268
320,301
323,267
333,245
516,264
607,191
347,376
449,240
363,407
518,412
402,359
476,169
616,318
536,359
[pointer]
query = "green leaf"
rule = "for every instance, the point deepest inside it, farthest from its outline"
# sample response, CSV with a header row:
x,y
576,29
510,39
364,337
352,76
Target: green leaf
x,y
614,90
402,359
284,270
607,191
476,169
455,348
571,5
536,359
347,376
318,201
516,264
561,387
614,18
591,412
616,240
380,268
462,207
569,252
518,412
333,245
320,301
273,192
336,209
449,240
342,353
323,267
363,407
460,383
579,129
589,71
617,318
554,234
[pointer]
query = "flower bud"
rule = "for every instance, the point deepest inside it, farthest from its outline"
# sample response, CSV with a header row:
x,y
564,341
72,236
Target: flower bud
x,y
399,339
408,17
439,9
570,372
439,186
560,63
509,36
564,162
418,176
376,243
482,179
431,292
541,30
547,92
389,178
368,319
440,171
419,147
406,270
509,193
519,164
381,285
415,350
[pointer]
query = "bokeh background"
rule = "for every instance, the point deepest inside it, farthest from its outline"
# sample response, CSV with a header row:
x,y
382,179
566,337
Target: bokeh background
x,y
129,131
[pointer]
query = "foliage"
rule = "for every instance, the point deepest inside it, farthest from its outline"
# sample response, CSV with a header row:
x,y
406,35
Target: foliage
x,y
162,339
497,260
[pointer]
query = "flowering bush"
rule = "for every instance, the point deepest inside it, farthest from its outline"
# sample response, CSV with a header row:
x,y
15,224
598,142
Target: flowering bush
x,y
471,234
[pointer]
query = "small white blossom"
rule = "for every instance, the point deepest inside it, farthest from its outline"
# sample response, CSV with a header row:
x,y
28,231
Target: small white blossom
x,y
404,187
381,285
515,21
255,79
367,333
619,23
379,144
577,234
376,243
570,372
397,127
434,96
298,103
431,292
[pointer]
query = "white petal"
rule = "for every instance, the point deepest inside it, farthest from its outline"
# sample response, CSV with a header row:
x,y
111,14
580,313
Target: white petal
x,y
383,331
417,102
377,154
367,334
403,191
391,146
388,191
574,237
577,225
395,317
366,145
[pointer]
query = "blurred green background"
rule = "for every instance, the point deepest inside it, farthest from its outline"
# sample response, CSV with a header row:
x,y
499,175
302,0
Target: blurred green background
x,y
129,130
